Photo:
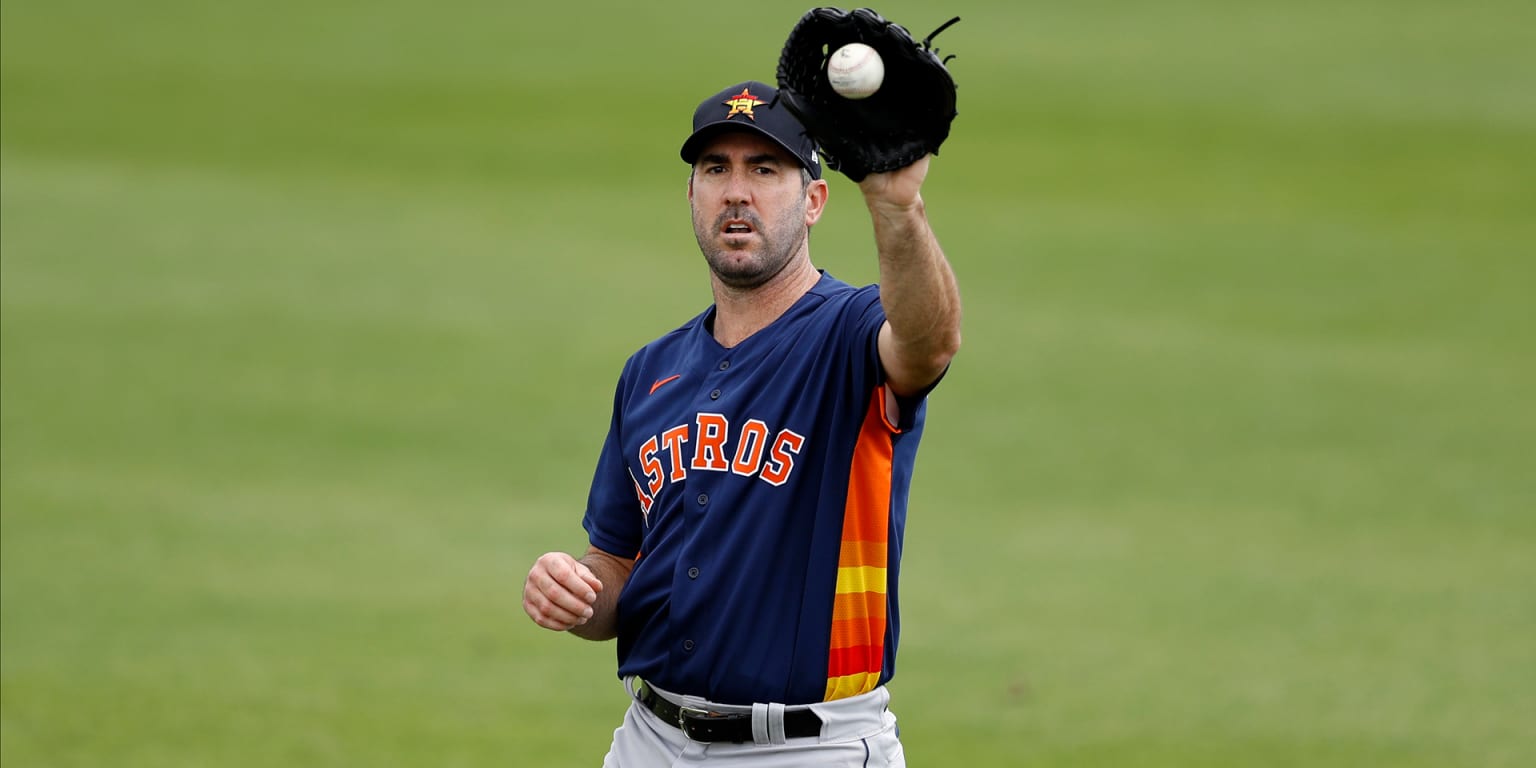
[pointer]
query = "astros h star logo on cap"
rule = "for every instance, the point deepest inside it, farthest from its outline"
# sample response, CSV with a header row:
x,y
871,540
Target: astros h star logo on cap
x,y
742,104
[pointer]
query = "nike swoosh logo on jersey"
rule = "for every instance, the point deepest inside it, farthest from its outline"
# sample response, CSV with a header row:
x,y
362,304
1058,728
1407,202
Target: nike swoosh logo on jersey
x,y
660,382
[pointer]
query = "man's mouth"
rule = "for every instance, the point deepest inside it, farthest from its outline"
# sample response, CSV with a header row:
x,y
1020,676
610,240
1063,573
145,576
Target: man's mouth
x,y
737,227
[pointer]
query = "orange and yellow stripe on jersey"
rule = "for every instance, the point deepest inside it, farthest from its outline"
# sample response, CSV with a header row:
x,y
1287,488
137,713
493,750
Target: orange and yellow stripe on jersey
x,y
857,651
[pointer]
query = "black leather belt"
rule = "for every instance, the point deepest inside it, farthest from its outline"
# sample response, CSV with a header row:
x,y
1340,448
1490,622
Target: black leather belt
x,y
703,725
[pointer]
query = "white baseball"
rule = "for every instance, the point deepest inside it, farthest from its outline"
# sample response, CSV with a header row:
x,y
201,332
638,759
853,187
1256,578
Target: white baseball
x,y
855,71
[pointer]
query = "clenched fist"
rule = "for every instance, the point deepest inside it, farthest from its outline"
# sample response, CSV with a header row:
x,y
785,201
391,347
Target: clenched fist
x,y
560,592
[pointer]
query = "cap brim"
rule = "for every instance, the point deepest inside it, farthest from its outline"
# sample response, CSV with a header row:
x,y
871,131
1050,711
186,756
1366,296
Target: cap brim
x,y
706,133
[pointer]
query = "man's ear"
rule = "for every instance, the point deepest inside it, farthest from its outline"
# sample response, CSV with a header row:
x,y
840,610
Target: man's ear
x,y
816,194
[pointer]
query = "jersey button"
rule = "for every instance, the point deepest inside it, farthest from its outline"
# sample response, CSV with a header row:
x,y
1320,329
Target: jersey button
x,y
715,395
724,364
693,573
688,646
703,499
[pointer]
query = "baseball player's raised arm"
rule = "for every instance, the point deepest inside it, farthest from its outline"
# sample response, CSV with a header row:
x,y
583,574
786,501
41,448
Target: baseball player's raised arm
x,y
917,287
579,596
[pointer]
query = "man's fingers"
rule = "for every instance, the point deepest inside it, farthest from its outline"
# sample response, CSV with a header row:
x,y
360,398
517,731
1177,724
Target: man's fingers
x,y
575,579
590,578
548,614
559,592
548,610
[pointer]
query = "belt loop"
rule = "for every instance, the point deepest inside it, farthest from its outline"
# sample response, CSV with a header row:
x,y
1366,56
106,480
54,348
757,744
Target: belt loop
x,y
760,735
776,724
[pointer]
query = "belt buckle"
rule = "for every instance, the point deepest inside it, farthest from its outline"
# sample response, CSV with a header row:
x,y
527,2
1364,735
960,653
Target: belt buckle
x,y
688,718
683,712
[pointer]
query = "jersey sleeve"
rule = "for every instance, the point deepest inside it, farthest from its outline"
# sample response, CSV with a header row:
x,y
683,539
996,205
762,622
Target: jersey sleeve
x,y
868,318
613,519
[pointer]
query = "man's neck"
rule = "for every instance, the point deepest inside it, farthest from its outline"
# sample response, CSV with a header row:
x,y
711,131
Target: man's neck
x,y
739,313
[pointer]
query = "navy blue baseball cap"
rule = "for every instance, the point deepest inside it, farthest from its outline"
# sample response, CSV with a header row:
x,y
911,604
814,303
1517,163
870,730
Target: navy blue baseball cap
x,y
751,106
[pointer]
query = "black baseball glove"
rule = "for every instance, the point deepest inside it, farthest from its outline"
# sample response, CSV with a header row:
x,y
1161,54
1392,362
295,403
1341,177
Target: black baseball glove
x,y
907,118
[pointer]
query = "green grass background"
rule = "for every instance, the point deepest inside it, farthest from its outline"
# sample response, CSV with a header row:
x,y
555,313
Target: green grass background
x,y
312,313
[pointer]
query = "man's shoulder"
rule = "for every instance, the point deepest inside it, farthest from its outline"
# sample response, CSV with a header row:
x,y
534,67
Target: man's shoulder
x,y
836,300
830,287
685,335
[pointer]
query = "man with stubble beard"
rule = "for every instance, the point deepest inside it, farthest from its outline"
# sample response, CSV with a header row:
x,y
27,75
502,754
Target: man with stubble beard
x,y
746,515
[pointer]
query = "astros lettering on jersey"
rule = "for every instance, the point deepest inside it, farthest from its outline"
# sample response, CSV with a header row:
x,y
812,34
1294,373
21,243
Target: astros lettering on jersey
x,y
762,491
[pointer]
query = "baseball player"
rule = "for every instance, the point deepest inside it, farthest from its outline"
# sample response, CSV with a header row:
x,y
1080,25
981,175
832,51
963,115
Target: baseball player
x,y
745,518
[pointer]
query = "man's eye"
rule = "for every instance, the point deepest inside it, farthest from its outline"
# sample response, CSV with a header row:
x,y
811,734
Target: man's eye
x,y
763,170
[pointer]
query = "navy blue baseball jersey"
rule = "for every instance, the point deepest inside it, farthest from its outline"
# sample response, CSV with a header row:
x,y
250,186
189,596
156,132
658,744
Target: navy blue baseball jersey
x,y
762,491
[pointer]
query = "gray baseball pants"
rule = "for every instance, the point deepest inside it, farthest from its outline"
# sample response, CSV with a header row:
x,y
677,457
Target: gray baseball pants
x,y
857,732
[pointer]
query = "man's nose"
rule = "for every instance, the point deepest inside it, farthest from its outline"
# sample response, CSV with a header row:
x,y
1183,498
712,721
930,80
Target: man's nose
x,y
737,190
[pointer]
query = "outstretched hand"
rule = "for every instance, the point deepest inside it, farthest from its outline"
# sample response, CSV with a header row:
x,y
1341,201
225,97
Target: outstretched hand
x,y
898,190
